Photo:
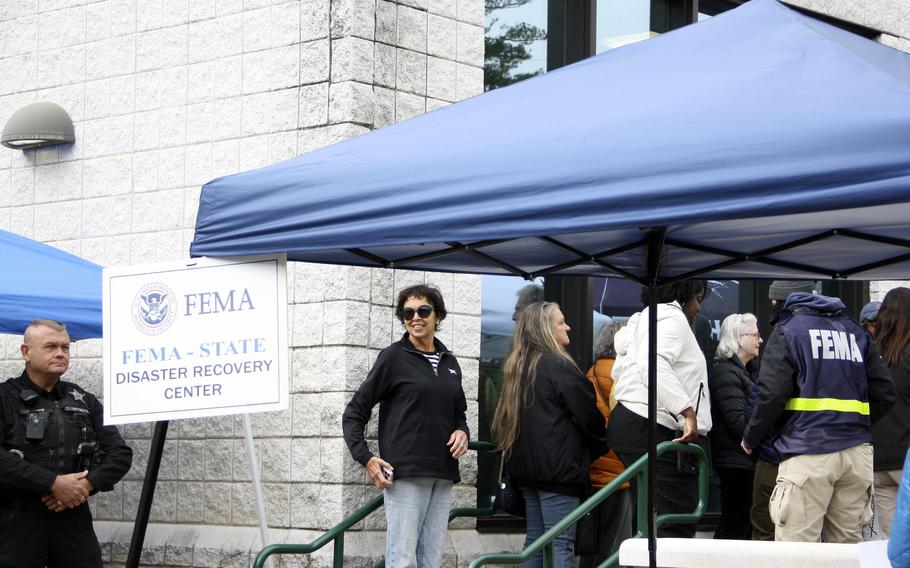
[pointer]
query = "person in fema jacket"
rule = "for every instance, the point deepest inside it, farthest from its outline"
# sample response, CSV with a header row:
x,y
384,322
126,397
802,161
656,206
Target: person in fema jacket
x,y
821,368
423,431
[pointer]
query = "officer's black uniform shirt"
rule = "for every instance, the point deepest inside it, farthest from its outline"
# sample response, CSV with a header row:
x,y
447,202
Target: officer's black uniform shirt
x,y
72,415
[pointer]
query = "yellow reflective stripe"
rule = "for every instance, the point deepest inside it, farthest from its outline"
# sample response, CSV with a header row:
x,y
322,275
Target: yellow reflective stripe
x,y
835,404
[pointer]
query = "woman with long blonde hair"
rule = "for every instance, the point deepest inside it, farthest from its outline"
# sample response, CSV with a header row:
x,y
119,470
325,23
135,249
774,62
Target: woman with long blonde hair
x,y
548,425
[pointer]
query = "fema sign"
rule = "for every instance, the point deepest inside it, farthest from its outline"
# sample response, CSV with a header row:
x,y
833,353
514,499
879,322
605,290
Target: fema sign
x,y
207,337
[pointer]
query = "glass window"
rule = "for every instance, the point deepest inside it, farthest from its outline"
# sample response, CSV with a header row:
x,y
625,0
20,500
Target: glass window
x,y
721,302
515,41
621,22
502,297
615,299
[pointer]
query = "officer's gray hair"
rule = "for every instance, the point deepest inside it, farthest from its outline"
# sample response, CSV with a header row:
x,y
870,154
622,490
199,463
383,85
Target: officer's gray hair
x,y
731,332
53,324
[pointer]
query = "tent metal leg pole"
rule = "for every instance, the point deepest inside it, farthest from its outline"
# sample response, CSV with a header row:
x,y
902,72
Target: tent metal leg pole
x,y
655,241
652,424
148,494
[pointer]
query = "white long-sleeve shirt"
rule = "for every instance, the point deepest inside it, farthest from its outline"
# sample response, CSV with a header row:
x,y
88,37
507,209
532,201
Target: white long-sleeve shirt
x,y
682,374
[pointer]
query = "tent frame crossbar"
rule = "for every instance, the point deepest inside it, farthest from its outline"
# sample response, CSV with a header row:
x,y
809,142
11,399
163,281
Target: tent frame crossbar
x,y
369,256
732,257
474,250
759,256
504,265
593,259
454,247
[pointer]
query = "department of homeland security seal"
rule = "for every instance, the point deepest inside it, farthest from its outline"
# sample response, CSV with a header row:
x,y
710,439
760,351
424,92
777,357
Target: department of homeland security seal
x,y
154,308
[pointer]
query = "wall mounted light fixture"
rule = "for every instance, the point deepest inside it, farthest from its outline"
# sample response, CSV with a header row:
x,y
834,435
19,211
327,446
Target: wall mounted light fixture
x,y
37,125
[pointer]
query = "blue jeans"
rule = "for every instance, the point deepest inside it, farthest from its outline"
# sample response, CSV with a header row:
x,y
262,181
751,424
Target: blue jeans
x,y
545,509
417,515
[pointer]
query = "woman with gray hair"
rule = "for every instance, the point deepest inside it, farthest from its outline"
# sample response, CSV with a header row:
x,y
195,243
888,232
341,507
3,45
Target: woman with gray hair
x,y
731,380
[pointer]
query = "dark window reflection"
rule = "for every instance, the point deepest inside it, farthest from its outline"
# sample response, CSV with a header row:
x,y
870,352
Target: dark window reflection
x,y
515,41
615,299
503,297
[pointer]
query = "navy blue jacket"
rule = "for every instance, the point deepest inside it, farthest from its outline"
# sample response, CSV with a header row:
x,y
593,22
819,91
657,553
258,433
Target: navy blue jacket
x,y
820,368
765,449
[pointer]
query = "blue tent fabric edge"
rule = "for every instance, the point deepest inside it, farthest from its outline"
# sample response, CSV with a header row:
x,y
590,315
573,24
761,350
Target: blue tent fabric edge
x,y
47,283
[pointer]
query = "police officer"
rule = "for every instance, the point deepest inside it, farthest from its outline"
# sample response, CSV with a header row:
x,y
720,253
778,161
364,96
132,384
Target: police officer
x,y
56,452
821,371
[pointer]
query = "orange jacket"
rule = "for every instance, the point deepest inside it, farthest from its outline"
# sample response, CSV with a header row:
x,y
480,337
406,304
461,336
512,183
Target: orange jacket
x,y
606,467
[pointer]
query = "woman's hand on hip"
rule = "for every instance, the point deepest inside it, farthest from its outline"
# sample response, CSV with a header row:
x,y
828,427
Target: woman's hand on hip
x,y
375,468
690,430
458,443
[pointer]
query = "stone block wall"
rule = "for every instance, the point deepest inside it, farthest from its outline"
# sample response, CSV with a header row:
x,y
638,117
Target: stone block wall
x,y
166,95
891,17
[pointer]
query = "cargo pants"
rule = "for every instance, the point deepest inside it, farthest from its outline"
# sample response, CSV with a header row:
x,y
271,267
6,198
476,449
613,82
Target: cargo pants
x,y
823,493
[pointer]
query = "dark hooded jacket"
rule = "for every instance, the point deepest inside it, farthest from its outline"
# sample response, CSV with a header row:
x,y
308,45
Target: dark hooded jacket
x,y
822,371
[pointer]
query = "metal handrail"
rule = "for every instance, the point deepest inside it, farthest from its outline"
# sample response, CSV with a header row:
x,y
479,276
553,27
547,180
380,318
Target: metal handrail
x,y
336,533
639,470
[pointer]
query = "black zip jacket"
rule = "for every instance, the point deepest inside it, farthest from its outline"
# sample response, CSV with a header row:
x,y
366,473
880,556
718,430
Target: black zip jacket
x,y
418,411
730,383
561,431
72,416
891,434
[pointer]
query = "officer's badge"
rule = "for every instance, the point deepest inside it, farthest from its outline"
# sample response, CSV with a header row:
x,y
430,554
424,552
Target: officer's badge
x,y
78,396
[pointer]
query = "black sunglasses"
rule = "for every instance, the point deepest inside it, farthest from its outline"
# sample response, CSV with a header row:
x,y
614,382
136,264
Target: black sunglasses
x,y
423,311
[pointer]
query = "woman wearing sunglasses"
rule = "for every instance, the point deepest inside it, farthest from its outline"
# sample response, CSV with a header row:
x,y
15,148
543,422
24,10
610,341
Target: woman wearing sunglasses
x,y
548,426
423,431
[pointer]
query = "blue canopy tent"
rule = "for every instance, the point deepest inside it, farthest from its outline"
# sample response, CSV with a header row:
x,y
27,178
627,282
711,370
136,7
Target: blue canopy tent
x,y
757,144
40,281
765,144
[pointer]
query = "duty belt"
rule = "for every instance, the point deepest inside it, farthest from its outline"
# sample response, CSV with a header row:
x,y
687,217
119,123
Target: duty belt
x,y
832,404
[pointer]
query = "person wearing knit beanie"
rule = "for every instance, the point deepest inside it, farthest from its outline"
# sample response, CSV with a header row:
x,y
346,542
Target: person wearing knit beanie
x,y
780,290
766,466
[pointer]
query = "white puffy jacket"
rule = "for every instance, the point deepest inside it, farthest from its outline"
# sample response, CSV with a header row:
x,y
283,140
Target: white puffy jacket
x,y
682,374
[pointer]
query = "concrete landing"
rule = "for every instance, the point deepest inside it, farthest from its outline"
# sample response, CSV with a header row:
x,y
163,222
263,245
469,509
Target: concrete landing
x,y
699,553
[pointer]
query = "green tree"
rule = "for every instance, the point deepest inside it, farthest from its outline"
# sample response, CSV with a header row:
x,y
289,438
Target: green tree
x,y
504,52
